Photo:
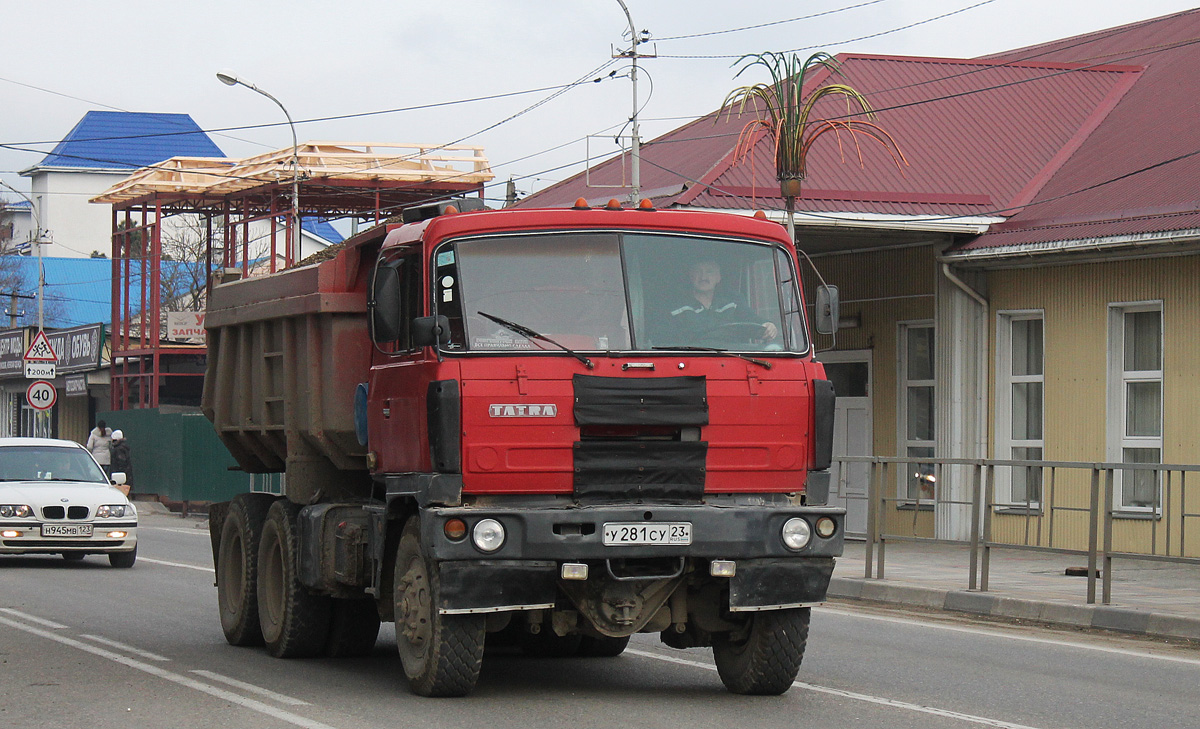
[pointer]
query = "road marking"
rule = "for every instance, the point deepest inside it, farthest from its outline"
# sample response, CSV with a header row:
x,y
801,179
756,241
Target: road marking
x,y
34,619
882,701
201,532
126,647
1011,635
281,698
177,564
182,680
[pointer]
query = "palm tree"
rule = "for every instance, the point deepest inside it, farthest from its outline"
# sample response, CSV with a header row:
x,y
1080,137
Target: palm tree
x,y
785,114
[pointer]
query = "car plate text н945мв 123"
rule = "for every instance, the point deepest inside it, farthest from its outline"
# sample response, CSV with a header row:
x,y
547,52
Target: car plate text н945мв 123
x,y
66,530
622,533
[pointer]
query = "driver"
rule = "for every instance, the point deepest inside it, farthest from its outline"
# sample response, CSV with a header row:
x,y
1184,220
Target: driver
x,y
707,310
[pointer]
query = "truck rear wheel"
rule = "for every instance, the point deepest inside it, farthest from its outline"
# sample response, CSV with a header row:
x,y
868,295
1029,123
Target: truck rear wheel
x,y
765,656
353,629
294,621
442,654
237,568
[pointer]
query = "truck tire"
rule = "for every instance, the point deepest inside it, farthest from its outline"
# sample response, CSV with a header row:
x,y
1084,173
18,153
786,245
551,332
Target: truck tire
x,y
353,628
442,654
237,568
606,647
294,621
764,661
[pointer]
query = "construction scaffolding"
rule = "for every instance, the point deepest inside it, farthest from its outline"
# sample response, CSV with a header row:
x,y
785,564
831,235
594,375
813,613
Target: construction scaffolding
x,y
239,221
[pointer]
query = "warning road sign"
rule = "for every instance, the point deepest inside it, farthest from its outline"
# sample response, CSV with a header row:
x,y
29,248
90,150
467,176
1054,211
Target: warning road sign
x,y
40,350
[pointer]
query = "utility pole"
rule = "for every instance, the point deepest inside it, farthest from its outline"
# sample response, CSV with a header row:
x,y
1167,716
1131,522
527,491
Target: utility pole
x,y
635,146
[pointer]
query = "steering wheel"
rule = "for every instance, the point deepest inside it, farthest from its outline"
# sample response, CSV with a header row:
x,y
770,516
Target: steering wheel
x,y
747,330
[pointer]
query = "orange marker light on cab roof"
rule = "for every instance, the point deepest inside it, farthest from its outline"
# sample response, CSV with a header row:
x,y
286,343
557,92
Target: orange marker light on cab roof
x,y
645,204
451,210
581,204
613,204
760,215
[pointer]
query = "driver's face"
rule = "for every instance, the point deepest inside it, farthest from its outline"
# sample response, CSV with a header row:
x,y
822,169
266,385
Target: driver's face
x,y
705,276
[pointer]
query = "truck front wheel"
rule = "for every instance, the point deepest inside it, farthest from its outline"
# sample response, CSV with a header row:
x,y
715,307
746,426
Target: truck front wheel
x,y
294,621
442,654
237,568
764,656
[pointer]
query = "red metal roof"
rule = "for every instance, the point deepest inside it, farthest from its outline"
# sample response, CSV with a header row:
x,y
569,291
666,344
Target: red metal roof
x,y
1122,180
1037,134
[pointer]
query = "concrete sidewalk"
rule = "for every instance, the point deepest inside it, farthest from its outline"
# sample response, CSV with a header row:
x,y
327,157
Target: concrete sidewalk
x,y
1160,599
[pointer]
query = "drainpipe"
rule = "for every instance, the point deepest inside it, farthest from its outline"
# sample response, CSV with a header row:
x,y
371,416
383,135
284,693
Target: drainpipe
x,y
950,523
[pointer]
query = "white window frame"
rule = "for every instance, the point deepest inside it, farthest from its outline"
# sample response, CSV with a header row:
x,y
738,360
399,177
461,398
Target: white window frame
x,y
1005,380
903,382
1118,379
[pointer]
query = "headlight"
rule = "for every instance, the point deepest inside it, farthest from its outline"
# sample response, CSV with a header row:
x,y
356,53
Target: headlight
x,y
488,535
18,510
826,527
110,510
796,533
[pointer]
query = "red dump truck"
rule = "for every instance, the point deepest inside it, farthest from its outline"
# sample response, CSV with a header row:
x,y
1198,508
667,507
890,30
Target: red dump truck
x,y
549,429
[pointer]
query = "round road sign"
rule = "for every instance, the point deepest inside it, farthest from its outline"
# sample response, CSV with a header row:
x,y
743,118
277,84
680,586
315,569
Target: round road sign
x,y
41,395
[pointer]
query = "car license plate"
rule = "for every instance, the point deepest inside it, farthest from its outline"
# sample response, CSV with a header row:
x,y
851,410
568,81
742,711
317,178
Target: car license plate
x,y
66,530
668,533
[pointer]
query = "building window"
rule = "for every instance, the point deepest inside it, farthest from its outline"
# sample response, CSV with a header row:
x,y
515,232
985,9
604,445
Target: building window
x,y
917,408
1020,387
1135,401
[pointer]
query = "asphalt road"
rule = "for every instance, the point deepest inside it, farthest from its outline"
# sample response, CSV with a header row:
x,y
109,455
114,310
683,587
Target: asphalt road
x,y
83,644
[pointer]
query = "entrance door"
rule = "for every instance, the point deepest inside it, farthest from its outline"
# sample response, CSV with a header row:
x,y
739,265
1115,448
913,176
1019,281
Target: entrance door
x,y
850,373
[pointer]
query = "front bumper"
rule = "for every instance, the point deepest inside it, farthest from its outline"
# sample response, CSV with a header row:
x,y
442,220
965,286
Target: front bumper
x,y
575,533
26,538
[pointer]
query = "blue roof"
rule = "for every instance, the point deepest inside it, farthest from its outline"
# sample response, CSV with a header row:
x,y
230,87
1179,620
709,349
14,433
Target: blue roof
x,y
321,227
78,290
122,140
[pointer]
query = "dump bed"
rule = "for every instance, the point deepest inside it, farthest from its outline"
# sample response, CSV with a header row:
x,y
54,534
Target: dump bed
x,y
285,353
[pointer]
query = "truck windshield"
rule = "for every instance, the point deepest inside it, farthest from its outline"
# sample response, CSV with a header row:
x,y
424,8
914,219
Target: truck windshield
x,y
619,292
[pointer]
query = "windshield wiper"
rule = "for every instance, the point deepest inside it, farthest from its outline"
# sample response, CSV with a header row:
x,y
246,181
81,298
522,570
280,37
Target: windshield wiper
x,y
528,333
717,350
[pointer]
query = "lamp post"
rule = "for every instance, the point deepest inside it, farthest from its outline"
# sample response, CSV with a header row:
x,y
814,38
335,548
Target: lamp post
x,y
230,79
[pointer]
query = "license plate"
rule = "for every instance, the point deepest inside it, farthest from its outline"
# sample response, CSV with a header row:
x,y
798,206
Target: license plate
x,y
66,530
620,534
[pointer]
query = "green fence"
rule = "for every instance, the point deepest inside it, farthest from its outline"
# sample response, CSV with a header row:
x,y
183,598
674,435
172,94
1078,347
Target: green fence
x,y
176,455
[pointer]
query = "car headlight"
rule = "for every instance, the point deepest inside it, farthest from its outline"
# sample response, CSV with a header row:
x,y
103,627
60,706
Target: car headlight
x,y
796,533
15,510
488,535
110,510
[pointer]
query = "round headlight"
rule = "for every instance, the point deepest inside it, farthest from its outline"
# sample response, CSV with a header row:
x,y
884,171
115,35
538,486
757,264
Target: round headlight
x,y
24,510
796,533
488,535
826,527
7,510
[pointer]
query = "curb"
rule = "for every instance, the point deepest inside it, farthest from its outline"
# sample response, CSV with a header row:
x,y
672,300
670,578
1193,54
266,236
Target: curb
x,y
1123,620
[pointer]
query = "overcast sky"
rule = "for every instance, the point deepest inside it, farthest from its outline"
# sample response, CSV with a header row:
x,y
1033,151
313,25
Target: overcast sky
x,y
62,58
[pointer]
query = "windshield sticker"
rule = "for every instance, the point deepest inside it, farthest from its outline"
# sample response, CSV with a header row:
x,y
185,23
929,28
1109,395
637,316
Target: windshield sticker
x,y
445,258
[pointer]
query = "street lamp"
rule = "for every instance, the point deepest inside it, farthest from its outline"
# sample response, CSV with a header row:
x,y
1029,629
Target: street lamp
x,y
230,79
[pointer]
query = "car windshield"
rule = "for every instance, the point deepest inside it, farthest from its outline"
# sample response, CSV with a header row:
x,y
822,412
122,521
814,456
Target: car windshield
x,y
48,463
618,291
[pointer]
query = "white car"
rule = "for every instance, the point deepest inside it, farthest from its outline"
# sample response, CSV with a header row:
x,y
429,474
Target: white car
x,y
55,499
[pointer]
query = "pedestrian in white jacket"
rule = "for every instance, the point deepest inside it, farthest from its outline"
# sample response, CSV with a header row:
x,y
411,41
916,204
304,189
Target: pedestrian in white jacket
x,y
99,442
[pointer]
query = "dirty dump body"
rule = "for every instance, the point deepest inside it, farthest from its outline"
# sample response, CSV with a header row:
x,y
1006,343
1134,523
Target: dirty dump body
x,y
547,429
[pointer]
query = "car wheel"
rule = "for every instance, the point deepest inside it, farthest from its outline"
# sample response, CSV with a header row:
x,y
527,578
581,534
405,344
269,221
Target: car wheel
x,y
294,621
123,560
441,654
237,568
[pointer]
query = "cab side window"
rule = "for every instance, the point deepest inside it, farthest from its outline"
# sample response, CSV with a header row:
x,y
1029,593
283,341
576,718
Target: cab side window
x,y
407,266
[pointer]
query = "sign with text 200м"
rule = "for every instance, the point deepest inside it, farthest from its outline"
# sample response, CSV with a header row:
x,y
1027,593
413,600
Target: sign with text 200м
x,y
40,360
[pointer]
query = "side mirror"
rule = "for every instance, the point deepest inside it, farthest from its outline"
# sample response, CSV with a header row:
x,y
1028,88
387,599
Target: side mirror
x,y
119,478
428,331
384,304
826,310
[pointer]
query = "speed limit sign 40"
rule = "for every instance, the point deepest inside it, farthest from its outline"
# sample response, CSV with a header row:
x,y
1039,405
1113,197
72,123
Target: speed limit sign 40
x,y
41,395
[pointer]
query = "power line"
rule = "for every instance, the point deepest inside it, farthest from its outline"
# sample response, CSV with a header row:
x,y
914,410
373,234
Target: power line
x,y
768,24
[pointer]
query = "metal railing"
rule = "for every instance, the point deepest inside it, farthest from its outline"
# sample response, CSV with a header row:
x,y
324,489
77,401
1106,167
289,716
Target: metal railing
x,y
1075,512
